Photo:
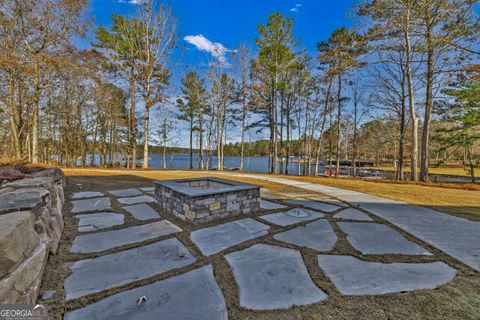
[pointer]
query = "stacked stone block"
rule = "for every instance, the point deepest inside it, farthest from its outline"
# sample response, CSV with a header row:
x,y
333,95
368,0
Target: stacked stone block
x,y
31,225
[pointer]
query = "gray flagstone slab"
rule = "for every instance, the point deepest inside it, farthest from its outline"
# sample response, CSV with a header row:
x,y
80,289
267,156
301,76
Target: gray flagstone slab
x,y
292,216
135,200
317,235
457,237
272,278
86,195
96,221
92,204
352,276
48,294
126,192
192,295
148,189
218,238
105,272
352,214
268,205
142,211
331,201
315,205
453,235
101,241
375,238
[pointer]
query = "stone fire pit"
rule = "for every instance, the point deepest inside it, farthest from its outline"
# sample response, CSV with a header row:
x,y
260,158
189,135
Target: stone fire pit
x,y
204,199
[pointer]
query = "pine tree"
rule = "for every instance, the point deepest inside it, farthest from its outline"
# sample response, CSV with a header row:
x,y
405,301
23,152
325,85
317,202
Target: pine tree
x,y
448,26
192,107
340,53
463,118
276,43
121,43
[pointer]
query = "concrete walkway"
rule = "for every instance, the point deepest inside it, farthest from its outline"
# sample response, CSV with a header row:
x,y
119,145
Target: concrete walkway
x,y
457,237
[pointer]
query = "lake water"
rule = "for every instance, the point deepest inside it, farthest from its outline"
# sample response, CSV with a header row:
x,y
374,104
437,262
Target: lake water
x,y
259,165
250,164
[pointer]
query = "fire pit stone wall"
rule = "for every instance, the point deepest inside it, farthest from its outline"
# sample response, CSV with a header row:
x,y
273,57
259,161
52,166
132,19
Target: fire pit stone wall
x,y
205,199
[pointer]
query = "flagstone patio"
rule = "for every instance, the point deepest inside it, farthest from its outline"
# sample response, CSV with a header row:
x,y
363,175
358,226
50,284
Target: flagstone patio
x,y
166,272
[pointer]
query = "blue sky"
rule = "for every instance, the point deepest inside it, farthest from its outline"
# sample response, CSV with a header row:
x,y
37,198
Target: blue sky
x,y
217,26
230,22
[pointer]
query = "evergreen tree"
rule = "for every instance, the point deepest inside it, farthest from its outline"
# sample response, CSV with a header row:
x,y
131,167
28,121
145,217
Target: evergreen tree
x,y
463,118
276,43
340,54
121,44
192,107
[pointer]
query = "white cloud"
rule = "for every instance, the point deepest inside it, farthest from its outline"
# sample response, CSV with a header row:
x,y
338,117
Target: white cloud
x,y
296,8
216,49
131,1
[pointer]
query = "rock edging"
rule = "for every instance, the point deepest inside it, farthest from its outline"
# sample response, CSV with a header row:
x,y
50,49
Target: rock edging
x,y
31,225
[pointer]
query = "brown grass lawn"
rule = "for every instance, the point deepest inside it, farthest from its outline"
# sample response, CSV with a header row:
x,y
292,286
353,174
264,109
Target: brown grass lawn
x,y
139,175
449,198
446,171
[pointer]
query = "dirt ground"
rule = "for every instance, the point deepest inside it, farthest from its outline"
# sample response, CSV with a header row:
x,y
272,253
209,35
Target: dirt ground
x,y
459,299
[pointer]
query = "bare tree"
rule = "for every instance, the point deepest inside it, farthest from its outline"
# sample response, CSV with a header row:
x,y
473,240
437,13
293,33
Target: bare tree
x,y
156,40
38,44
357,92
244,57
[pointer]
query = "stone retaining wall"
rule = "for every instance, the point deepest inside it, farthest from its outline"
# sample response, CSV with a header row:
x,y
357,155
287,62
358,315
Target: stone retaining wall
x,y
31,225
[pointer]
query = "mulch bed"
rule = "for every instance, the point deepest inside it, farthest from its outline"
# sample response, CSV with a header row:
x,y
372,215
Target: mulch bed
x,y
12,172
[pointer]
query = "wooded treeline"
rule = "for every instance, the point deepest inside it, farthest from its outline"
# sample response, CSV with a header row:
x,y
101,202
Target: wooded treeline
x,y
401,86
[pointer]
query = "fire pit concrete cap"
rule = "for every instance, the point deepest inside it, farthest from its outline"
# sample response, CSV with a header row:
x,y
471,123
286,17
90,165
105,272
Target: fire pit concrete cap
x,y
232,186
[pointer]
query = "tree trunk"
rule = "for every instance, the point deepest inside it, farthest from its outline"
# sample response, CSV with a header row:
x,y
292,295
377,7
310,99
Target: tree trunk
x,y
401,142
209,142
324,120
275,146
200,125
224,136
471,164
145,144
299,145
133,120
411,101
164,154
219,137
282,97
425,149
339,124
242,147
104,148
14,121
355,133
36,116
94,144
311,143
191,142
272,131
287,161
223,146
306,161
